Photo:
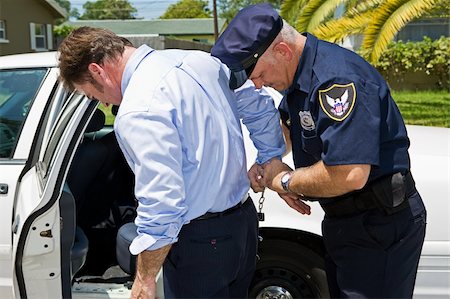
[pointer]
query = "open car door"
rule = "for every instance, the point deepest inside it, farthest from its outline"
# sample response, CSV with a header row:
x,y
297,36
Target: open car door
x,y
37,223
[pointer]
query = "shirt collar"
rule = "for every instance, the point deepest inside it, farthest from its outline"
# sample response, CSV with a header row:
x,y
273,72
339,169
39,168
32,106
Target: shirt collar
x,y
133,63
303,75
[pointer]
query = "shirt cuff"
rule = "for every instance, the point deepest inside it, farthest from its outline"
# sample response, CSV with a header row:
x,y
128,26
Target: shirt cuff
x,y
147,242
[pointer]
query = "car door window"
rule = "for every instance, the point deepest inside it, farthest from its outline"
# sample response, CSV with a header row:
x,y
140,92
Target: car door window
x,y
59,130
17,92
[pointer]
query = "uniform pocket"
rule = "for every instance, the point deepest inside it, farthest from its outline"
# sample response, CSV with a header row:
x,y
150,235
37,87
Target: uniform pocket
x,y
380,228
312,145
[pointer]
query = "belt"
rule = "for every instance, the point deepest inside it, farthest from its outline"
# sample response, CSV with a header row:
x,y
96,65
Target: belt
x,y
363,200
211,215
349,204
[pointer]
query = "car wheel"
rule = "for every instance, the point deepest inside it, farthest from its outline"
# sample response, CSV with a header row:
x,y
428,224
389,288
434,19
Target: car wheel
x,y
288,270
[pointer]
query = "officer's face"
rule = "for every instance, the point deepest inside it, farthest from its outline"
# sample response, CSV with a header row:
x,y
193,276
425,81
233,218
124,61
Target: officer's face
x,y
271,71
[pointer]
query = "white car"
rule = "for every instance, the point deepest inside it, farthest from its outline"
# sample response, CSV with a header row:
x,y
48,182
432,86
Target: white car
x,y
65,191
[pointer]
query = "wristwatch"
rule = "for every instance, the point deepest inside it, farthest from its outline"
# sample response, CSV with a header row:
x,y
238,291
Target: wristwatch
x,y
285,180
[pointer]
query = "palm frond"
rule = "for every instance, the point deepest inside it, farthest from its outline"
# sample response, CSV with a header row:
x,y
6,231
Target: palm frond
x,y
388,19
337,29
361,6
314,12
290,9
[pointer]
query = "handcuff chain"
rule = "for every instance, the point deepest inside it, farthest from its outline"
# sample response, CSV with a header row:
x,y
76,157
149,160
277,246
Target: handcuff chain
x,y
261,202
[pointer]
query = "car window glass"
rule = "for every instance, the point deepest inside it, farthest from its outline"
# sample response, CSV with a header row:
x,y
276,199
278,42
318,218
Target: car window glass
x,y
59,131
17,92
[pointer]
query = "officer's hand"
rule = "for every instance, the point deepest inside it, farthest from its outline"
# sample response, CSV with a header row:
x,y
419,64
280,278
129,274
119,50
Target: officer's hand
x,y
272,169
255,175
143,288
295,202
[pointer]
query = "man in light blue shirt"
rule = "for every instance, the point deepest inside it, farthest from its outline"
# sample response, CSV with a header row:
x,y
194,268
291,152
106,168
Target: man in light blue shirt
x,y
179,128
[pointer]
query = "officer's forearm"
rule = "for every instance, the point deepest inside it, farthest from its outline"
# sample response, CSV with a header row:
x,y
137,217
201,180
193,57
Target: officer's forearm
x,y
149,262
320,180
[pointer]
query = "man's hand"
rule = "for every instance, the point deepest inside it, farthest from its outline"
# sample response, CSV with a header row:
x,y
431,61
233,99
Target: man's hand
x,y
255,175
272,172
295,202
149,262
143,288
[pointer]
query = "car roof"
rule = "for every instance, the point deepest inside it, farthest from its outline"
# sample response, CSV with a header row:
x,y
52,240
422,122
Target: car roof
x,y
30,60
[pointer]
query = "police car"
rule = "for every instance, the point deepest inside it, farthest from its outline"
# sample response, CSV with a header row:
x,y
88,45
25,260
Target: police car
x,y
65,191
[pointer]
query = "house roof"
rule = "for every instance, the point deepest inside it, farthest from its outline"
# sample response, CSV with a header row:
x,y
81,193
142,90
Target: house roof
x,y
155,27
57,8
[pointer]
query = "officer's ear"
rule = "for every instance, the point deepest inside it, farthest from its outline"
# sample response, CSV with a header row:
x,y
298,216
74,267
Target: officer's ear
x,y
283,50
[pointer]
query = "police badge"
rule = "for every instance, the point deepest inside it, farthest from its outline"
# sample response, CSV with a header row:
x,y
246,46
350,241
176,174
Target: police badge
x,y
306,120
338,100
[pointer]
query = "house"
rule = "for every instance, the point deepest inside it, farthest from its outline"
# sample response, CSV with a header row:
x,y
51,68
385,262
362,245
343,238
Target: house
x,y
197,30
433,27
27,25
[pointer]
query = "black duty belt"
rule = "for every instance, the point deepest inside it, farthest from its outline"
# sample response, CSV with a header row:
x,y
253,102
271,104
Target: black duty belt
x,y
373,196
210,215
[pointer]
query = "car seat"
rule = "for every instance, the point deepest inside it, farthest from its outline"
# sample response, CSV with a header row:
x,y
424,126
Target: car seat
x,y
102,185
125,236
74,243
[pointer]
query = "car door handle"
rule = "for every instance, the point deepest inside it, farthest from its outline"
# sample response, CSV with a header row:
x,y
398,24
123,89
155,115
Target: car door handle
x,y
3,188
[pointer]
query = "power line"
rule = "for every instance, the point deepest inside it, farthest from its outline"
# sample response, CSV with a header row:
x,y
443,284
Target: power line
x,y
81,2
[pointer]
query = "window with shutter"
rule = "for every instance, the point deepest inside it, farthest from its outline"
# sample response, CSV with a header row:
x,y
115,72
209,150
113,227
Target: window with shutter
x,y
2,29
38,35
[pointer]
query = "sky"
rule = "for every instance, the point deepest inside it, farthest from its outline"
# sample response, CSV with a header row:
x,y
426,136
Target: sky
x,y
147,9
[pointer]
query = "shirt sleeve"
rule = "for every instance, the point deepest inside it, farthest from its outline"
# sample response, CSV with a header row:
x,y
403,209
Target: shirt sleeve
x,y
258,113
283,109
151,145
349,121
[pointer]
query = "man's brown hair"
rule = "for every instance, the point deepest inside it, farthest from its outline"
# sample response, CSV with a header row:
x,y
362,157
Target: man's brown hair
x,y
83,46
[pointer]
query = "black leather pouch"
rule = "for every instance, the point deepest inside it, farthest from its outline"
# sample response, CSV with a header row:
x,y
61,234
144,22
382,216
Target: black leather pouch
x,y
390,192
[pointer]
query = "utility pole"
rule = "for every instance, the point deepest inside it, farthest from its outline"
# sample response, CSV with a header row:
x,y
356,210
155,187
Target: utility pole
x,y
216,27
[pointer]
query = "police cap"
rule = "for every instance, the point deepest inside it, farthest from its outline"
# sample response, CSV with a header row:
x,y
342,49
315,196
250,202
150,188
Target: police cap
x,y
245,39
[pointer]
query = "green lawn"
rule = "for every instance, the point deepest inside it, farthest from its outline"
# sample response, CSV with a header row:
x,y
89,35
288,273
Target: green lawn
x,y
428,108
109,116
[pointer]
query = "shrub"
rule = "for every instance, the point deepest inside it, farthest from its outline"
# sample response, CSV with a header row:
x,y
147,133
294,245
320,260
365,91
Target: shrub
x,y
62,30
430,57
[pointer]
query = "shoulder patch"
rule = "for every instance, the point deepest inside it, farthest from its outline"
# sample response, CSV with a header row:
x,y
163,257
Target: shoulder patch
x,y
338,100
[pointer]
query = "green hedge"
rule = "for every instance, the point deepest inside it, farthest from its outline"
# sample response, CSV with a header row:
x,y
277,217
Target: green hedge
x,y
427,56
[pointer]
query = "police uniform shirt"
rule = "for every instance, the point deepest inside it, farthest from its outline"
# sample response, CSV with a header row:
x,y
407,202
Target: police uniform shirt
x,y
179,128
340,110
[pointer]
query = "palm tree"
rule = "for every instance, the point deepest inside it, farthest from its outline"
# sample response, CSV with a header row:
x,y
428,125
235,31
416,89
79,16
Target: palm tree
x,y
378,21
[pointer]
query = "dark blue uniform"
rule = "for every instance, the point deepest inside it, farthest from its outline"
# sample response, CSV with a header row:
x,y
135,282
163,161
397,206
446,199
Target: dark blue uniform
x,y
339,110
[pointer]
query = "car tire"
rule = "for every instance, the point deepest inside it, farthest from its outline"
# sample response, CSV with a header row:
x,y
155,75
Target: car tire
x,y
288,270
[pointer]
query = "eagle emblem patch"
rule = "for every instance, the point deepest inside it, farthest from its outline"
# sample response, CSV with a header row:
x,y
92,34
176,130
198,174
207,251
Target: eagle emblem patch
x,y
338,100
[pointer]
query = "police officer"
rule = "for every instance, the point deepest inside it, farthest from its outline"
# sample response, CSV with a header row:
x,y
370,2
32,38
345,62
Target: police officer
x,y
350,150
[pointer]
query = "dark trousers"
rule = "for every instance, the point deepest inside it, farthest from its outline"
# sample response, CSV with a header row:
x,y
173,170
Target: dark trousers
x,y
214,258
373,255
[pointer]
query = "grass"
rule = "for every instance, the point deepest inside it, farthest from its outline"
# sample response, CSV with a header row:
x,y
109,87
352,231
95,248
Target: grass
x,y
427,108
109,121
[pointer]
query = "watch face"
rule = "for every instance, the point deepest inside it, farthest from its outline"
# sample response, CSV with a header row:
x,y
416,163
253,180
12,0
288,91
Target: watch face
x,y
285,178
285,181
